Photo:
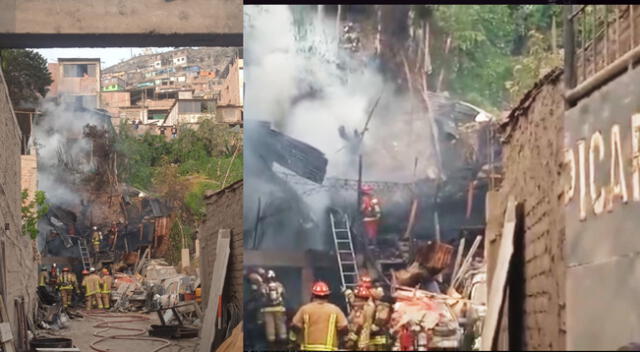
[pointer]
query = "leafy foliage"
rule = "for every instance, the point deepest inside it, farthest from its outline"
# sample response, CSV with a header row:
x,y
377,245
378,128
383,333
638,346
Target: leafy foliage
x,y
491,45
32,212
26,74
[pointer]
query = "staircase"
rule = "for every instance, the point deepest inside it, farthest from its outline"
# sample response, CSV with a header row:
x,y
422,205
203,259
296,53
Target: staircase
x,y
344,251
84,253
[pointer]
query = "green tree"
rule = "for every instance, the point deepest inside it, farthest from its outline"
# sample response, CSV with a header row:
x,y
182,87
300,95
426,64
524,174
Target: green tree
x,y
26,74
32,212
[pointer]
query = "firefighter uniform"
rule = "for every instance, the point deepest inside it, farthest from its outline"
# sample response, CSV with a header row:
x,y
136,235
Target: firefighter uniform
x,y
370,209
105,289
43,277
274,311
320,322
380,340
96,238
67,283
91,284
361,320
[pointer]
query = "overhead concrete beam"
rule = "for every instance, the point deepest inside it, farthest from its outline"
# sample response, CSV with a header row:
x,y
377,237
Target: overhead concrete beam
x,y
118,23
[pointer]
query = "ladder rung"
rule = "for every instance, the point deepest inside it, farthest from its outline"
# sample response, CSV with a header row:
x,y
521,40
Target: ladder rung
x,y
348,263
342,241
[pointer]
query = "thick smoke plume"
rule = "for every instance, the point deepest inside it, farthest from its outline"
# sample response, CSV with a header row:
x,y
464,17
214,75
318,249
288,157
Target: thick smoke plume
x,y
308,87
300,79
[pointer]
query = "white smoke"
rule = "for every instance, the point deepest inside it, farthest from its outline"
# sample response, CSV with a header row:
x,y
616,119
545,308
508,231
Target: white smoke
x,y
287,58
59,138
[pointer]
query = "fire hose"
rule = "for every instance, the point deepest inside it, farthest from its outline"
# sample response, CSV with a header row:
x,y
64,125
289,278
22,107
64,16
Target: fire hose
x,y
105,325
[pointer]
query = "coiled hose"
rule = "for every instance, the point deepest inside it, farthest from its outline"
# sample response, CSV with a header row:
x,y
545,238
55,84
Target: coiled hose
x,y
105,325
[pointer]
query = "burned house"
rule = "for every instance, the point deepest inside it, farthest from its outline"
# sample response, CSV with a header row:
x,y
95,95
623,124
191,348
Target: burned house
x,y
78,175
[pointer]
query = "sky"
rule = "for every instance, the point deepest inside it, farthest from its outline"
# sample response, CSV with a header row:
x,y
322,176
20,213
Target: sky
x,y
108,56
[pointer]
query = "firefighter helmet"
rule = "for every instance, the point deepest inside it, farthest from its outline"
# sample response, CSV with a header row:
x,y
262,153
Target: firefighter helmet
x,y
320,288
92,270
65,269
105,271
261,272
362,292
95,227
85,272
271,274
365,280
366,189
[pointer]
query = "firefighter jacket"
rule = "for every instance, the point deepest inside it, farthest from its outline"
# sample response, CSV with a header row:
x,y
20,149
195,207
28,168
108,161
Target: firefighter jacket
x,y
96,238
381,321
370,208
43,278
273,293
360,322
320,322
68,281
91,284
106,284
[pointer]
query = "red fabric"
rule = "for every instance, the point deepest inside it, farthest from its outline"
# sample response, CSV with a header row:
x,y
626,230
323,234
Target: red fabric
x,y
406,340
371,228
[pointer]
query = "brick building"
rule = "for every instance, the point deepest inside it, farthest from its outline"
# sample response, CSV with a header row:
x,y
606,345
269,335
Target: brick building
x,y
18,256
224,211
76,80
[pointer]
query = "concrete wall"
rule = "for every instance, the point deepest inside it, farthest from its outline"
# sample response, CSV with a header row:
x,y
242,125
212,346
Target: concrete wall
x,y
532,159
224,211
20,259
65,23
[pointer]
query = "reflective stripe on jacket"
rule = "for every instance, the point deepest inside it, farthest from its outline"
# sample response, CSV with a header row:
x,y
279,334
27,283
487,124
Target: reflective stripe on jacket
x,y
331,333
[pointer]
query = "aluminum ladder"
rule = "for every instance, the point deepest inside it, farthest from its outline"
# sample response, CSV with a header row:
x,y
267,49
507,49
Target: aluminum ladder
x,y
84,253
344,251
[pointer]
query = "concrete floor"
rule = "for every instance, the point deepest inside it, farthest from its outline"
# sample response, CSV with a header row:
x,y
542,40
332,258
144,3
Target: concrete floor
x,y
82,330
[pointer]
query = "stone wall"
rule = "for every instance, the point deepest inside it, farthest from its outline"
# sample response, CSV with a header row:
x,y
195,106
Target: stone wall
x,y
532,159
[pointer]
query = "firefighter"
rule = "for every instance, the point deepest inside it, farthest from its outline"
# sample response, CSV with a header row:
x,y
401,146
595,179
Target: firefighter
x,y
96,238
319,321
360,319
370,209
365,281
53,276
43,278
91,285
105,289
66,285
274,311
380,339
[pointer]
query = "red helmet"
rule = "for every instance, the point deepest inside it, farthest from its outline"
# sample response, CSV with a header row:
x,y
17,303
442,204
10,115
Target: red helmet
x,y
85,272
366,189
320,288
66,268
365,281
362,292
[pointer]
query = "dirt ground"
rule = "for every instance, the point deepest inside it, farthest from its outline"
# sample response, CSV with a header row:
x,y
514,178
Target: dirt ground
x,y
82,331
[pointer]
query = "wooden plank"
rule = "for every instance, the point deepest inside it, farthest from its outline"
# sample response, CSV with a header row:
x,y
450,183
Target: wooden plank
x,y
5,332
8,346
497,291
208,332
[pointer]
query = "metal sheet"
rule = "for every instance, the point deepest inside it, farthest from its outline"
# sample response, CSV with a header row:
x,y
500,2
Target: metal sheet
x,y
600,286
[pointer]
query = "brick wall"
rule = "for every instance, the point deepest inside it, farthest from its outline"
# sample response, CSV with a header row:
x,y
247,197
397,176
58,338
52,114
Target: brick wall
x,y
20,260
224,211
532,159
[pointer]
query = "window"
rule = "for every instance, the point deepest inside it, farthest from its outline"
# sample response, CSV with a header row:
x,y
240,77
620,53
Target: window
x,y
79,70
